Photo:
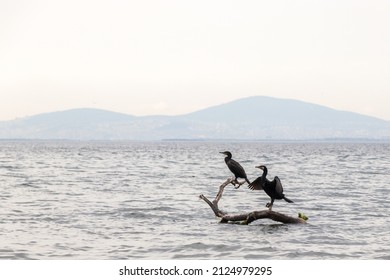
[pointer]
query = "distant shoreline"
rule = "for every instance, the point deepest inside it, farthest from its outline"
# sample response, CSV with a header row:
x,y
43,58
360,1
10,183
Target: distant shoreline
x,y
257,118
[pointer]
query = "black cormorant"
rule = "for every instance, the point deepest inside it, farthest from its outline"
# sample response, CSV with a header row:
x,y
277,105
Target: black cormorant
x,y
235,168
273,188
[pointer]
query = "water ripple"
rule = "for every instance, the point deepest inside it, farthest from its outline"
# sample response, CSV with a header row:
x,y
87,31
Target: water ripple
x,y
127,200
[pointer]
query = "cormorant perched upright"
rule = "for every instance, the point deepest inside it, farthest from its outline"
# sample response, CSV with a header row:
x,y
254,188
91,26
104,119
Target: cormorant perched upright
x,y
273,188
235,168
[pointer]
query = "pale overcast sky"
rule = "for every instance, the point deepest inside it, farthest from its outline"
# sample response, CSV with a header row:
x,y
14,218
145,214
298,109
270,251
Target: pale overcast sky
x,y
172,57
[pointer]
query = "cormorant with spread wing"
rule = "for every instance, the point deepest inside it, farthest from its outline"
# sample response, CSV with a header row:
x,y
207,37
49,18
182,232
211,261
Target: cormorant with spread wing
x,y
273,188
235,168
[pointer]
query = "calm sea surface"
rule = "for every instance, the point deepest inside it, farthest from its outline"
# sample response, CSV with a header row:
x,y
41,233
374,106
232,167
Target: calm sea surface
x,y
125,200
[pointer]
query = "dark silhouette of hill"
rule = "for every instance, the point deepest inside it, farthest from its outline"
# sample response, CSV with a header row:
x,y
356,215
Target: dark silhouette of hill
x,y
252,118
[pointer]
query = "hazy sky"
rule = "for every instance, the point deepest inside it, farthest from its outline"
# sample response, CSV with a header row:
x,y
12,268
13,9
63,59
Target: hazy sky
x,y
171,57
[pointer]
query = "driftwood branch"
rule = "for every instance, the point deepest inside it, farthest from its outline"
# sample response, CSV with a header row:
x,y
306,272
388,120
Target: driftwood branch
x,y
248,217
214,204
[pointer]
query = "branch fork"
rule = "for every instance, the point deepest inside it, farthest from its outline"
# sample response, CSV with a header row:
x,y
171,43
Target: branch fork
x,y
248,217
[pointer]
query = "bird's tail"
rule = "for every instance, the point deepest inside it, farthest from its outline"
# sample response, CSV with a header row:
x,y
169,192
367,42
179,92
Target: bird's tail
x,y
288,200
249,183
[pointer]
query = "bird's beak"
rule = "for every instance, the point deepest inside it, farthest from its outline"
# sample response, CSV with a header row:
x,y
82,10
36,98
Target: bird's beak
x,y
222,152
258,166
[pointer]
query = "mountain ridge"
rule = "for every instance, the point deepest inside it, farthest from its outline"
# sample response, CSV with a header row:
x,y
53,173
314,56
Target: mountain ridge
x,y
268,104
251,118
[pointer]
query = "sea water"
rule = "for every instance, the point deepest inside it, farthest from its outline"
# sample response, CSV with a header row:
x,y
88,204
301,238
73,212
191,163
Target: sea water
x,y
140,200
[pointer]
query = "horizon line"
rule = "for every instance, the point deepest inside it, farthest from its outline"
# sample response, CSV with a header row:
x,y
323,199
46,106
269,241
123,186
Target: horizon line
x,y
187,113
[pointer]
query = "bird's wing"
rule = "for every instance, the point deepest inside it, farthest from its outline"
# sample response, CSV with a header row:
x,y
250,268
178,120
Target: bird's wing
x,y
278,186
256,184
236,168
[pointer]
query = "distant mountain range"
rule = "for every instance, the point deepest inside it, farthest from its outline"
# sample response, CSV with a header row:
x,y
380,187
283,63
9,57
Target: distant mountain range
x,y
252,118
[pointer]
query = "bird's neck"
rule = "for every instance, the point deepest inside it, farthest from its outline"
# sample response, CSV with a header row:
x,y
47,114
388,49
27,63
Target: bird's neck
x,y
227,158
265,172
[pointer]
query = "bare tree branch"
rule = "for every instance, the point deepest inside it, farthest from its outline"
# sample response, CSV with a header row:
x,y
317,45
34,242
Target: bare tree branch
x,y
248,217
